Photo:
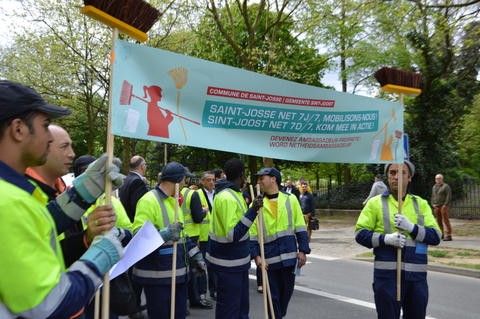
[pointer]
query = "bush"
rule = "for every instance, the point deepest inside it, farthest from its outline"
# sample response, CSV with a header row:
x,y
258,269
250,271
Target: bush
x,y
349,196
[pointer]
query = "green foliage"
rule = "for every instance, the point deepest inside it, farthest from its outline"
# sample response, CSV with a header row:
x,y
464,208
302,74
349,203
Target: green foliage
x,y
349,196
258,39
196,159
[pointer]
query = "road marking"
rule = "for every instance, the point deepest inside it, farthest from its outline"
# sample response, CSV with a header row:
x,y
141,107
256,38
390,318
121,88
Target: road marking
x,y
323,257
357,302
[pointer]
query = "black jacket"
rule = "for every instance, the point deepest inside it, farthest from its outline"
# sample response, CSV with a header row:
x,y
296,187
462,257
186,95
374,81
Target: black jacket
x,y
132,190
294,191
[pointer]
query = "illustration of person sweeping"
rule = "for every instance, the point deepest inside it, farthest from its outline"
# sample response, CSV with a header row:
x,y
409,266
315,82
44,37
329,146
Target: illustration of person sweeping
x,y
157,121
158,118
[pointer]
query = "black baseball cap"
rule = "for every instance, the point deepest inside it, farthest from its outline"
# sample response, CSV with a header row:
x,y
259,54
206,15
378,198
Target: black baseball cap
x,y
82,163
378,176
272,172
16,99
174,172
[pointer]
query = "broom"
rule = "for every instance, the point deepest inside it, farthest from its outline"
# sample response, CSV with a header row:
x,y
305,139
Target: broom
x,y
265,283
126,99
401,82
180,77
174,257
133,18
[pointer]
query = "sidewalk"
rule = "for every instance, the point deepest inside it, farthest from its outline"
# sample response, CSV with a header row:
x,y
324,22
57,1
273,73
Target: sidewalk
x,y
339,243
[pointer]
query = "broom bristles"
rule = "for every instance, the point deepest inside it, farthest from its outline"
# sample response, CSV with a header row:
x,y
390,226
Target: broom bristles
x,y
180,76
398,77
136,13
126,93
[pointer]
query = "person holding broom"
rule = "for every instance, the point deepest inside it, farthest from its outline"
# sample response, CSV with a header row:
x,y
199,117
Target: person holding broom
x,y
34,281
377,228
228,248
283,228
155,270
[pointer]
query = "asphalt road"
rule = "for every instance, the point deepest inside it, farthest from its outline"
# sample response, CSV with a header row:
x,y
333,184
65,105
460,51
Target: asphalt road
x,y
341,288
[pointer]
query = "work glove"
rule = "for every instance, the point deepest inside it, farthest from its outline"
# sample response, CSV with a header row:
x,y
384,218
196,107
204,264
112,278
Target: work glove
x,y
91,184
258,202
105,250
397,240
402,223
172,232
200,266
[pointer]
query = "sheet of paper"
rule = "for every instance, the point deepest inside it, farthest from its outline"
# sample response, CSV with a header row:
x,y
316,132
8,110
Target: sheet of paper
x,y
143,243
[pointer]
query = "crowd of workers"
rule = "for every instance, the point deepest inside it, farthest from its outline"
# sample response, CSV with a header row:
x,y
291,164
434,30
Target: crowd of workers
x,y
69,238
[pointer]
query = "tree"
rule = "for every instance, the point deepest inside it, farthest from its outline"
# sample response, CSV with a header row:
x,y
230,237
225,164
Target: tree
x,y
260,38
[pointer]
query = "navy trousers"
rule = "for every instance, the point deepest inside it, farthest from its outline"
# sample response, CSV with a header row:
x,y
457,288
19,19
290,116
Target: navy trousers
x,y
232,295
413,298
282,283
212,276
193,288
159,298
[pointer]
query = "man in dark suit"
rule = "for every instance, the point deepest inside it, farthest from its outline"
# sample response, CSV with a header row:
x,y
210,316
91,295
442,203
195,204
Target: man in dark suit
x,y
134,187
291,189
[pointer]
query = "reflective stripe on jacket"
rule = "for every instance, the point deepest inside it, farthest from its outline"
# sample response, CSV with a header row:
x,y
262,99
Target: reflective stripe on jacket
x,y
281,232
33,281
376,220
156,268
204,226
228,249
191,227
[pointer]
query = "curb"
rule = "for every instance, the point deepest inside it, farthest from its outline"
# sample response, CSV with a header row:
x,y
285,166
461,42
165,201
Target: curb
x,y
474,273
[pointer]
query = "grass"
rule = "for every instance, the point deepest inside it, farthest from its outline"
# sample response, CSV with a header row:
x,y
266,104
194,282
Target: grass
x,y
469,266
439,254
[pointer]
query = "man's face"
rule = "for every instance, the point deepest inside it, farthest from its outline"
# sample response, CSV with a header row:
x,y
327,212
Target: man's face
x,y
288,184
304,187
208,182
222,175
439,179
266,183
393,175
37,144
61,153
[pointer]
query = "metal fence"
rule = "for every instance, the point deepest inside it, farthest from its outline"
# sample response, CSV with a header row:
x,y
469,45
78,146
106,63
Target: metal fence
x,y
465,196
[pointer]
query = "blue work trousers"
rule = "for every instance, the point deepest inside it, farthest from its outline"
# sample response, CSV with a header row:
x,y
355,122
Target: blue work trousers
x,y
212,276
413,298
282,283
159,298
193,287
232,295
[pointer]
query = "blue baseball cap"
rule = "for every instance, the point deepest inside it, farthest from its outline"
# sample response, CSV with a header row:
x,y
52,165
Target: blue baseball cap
x,y
272,172
174,172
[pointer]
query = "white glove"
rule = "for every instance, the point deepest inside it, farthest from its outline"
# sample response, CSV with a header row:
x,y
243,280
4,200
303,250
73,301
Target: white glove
x,y
396,240
91,184
402,223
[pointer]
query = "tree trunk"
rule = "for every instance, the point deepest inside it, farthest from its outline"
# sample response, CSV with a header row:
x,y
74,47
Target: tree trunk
x,y
126,155
252,166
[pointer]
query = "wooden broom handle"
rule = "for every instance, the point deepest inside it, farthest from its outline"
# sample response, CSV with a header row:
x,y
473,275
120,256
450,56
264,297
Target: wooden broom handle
x,y
108,183
174,257
265,283
400,204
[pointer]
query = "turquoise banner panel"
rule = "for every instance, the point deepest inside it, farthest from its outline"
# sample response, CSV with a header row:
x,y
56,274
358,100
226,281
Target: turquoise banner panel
x,y
173,98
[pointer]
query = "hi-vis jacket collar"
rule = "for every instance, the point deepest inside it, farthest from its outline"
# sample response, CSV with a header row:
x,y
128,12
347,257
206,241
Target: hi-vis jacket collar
x,y
13,177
